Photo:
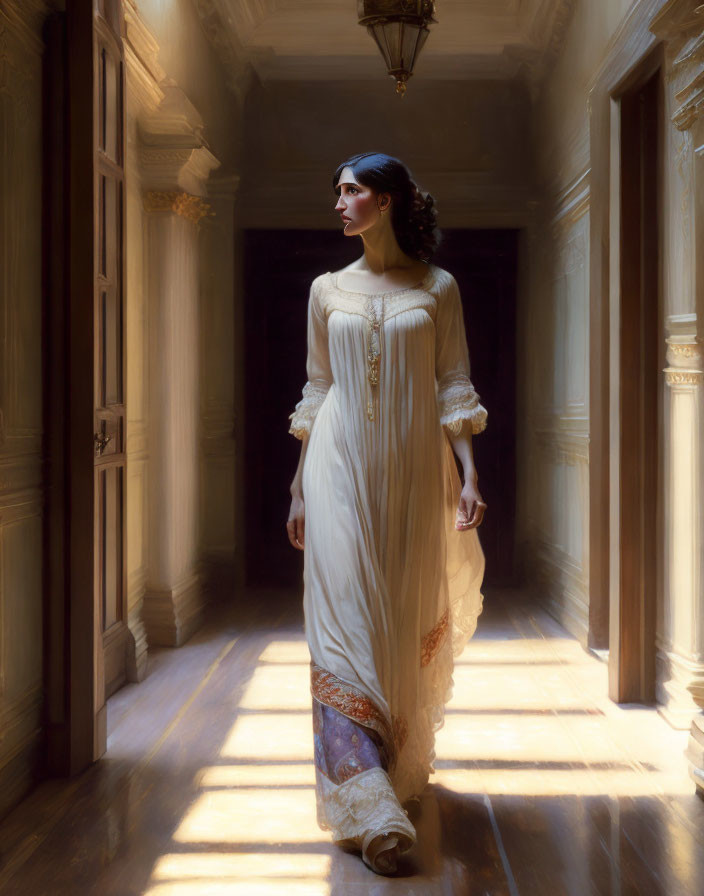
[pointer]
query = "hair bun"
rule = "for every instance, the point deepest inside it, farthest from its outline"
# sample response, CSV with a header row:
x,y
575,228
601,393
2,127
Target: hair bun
x,y
413,211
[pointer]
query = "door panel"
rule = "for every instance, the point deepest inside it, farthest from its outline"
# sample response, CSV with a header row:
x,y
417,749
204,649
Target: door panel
x,y
109,379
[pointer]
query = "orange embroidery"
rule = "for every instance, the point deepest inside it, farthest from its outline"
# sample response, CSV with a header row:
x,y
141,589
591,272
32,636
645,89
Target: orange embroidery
x,y
353,703
400,726
431,642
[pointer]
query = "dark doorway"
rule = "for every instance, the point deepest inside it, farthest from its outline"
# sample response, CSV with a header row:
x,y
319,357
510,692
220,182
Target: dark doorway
x,y
484,263
633,608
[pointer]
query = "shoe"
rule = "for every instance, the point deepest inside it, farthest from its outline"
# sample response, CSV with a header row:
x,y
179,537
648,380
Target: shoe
x,y
381,851
382,854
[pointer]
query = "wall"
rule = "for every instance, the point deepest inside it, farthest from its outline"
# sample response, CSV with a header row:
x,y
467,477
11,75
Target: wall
x,y
463,141
553,516
21,426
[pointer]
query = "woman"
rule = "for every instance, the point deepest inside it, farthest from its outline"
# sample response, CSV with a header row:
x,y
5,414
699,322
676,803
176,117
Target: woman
x,y
392,565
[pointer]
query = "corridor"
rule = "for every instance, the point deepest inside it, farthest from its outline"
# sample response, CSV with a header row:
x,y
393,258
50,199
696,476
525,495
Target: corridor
x,y
543,785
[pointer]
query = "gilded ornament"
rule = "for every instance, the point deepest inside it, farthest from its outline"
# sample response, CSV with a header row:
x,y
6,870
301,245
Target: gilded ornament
x,y
375,317
674,377
193,208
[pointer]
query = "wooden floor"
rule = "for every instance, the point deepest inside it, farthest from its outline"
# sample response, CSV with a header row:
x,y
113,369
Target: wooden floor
x,y
543,786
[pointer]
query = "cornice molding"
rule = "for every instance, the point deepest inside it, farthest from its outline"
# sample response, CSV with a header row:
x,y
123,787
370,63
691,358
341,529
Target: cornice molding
x,y
176,119
540,60
681,25
243,33
144,74
173,153
227,31
168,167
688,68
677,18
631,40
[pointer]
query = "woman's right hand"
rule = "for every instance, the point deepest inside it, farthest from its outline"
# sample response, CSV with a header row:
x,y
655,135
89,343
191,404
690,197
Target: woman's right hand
x,y
296,523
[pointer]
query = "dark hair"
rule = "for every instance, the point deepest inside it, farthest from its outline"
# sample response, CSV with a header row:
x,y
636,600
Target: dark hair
x,y
413,214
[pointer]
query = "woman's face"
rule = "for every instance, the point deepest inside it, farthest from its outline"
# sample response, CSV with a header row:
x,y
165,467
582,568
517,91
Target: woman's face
x,y
359,206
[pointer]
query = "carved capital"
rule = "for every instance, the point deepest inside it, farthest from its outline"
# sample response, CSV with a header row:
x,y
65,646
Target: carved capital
x,y
184,204
684,353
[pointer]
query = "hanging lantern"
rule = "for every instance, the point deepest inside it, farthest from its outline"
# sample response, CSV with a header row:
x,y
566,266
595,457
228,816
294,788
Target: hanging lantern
x,y
400,29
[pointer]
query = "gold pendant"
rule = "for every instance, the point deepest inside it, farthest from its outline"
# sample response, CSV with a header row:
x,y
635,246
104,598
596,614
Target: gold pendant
x,y
373,350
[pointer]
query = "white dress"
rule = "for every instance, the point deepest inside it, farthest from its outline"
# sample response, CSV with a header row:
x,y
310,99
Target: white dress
x,y
391,588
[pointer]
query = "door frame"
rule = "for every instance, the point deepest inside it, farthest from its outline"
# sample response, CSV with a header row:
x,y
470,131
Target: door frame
x,y
634,57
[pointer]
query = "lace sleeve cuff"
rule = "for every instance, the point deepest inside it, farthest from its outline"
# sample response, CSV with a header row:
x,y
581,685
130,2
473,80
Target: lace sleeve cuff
x,y
458,401
305,411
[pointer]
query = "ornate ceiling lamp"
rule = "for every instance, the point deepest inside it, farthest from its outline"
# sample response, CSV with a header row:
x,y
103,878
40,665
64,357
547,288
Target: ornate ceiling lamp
x,y
400,29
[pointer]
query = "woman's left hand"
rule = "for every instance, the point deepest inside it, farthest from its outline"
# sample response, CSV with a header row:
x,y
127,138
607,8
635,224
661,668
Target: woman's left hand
x,y
470,511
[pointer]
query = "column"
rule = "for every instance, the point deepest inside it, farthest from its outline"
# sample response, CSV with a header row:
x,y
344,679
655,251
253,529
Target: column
x,y
175,164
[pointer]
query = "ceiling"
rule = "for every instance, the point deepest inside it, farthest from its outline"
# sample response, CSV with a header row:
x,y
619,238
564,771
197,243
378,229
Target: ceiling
x,y
320,39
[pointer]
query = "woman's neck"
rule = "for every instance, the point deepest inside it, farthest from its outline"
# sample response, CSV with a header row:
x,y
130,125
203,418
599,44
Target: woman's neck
x,y
382,251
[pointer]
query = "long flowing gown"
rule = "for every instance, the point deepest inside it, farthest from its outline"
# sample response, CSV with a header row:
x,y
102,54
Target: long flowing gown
x,y
391,587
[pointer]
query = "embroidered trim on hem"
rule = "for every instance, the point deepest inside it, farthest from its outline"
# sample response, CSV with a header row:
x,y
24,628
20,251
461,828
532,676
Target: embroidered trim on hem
x,y
430,644
353,703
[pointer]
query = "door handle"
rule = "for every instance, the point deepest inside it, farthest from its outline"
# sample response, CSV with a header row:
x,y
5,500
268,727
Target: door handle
x,y
101,440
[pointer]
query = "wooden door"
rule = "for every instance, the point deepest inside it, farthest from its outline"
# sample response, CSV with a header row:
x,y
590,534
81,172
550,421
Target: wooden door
x,y
86,631
108,352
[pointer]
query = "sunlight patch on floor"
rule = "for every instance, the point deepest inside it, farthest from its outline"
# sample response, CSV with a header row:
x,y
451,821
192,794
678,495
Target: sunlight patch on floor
x,y
242,886
255,815
271,736
527,718
286,652
241,874
299,774
574,782
282,686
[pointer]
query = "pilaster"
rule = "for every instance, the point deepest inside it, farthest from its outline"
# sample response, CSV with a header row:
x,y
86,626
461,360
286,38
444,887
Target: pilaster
x,y
221,470
169,163
681,638
175,164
